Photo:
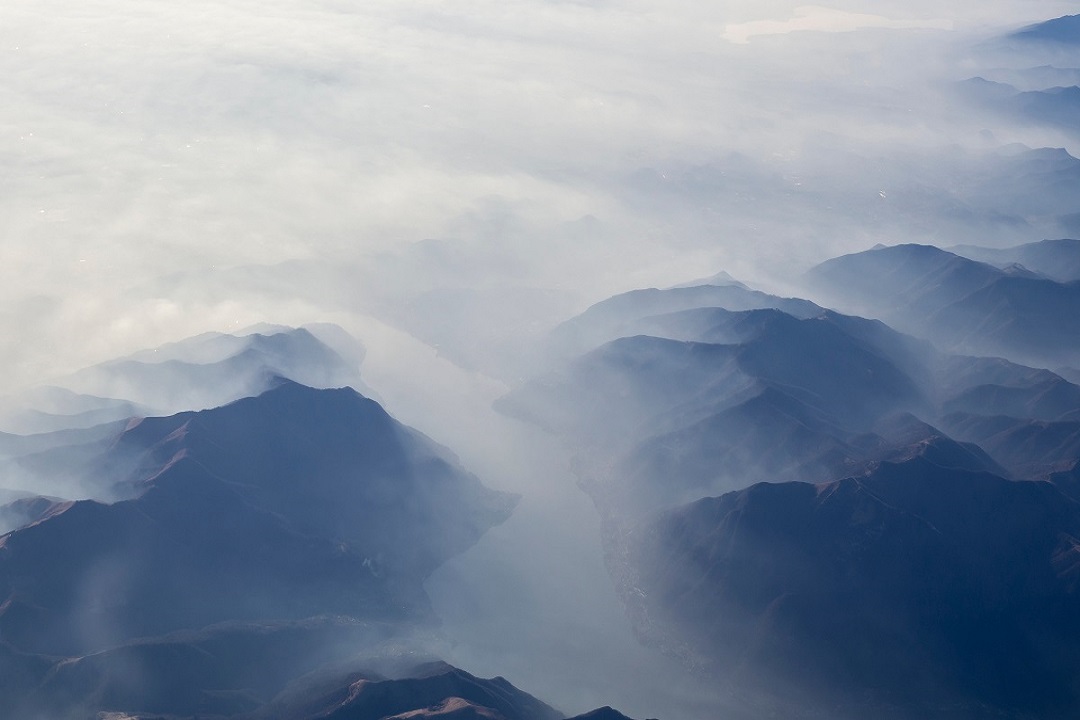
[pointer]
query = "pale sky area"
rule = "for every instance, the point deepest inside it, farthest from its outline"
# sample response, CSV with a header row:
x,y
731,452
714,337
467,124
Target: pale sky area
x,y
153,150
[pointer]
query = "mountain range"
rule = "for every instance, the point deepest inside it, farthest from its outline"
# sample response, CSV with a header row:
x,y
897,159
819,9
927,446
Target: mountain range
x,y
264,558
823,514
1064,30
1054,107
1058,259
712,400
962,305
783,490
197,373
911,591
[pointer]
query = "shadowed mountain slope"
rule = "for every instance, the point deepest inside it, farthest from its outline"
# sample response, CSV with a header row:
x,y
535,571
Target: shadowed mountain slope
x,y
1028,448
430,690
1056,259
960,304
614,317
755,394
265,559
706,400
315,669
1049,399
604,713
203,371
717,354
294,503
905,590
213,369
1064,30
915,589
200,372
1055,107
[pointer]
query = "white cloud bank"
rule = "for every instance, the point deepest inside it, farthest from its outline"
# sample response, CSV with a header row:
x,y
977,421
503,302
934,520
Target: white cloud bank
x,y
815,18
149,149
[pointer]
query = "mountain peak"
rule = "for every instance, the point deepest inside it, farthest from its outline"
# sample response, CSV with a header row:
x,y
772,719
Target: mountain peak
x,y
295,502
1063,30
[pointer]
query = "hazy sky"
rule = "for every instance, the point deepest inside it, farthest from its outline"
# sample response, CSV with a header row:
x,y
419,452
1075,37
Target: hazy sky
x,y
148,147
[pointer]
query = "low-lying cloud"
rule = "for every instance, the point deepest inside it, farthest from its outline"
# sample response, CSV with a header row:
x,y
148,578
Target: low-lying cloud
x,y
145,141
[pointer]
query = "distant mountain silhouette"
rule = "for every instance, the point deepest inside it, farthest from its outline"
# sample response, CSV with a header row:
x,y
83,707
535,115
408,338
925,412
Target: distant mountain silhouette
x,y
1064,30
775,437
200,372
611,318
960,304
1041,205
734,398
1056,259
1051,399
1028,77
1029,448
923,278
722,278
215,368
49,409
757,395
1052,106
717,354
1056,106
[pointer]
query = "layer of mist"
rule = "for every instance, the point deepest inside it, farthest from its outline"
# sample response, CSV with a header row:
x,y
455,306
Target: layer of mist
x,y
488,221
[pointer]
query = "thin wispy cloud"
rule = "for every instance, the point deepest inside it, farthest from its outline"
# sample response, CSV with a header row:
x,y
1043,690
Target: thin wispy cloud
x,y
815,18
